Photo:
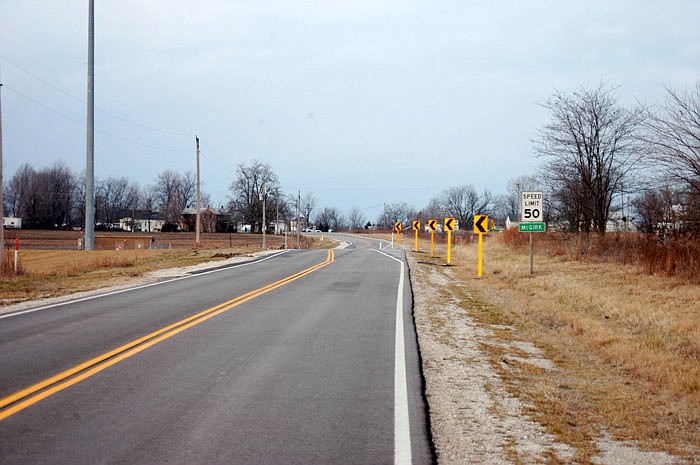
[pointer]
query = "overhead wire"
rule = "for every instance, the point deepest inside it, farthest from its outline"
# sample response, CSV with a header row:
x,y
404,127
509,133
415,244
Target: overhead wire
x,y
83,123
216,158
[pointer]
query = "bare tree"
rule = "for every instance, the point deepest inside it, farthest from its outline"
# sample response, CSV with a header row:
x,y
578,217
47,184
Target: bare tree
x,y
174,193
19,189
247,193
433,211
43,198
394,213
79,201
115,197
655,210
672,135
329,219
463,202
590,146
148,199
308,203
356,218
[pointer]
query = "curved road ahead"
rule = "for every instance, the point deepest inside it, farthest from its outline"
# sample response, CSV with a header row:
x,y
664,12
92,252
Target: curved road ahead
x,y
296,359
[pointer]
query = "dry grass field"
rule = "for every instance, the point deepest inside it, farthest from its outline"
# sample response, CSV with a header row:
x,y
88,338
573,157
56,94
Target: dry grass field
x,y
626,344
68,240
50,264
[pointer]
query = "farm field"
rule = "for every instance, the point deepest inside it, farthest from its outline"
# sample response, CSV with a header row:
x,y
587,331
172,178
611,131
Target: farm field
x,y
50,264
69,240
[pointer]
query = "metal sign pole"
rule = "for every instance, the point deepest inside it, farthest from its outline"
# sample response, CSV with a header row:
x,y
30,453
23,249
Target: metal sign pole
x,y
531,241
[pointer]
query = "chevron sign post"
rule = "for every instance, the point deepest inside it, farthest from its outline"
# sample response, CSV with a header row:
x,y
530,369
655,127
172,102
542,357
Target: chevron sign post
x,y
481,227
449,227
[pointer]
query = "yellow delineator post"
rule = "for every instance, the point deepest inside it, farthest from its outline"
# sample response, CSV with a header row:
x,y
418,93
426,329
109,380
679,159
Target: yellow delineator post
x,y
416,228
449,227
397,228
432,225
481,226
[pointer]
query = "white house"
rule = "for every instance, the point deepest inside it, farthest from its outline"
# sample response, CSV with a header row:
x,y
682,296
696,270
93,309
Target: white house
x,y
140,224
617,222
11,222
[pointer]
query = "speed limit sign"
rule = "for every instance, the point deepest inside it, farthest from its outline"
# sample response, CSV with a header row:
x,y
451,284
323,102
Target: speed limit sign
x,y
531,207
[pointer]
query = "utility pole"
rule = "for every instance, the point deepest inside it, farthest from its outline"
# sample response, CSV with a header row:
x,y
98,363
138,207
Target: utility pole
x,y
264,198
2,209
196,228
90,165
277,208
298,219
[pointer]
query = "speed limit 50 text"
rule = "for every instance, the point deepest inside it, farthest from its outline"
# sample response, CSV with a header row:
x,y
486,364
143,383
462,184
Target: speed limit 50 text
x,y
531,206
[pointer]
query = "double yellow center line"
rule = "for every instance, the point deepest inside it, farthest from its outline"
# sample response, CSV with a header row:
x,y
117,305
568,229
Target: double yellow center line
x,y
43,389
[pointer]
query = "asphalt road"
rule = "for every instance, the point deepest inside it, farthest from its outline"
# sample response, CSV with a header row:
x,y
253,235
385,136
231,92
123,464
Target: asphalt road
x,y
308,357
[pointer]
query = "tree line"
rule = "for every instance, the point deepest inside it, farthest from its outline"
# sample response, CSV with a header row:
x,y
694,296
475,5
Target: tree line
x,y
597,157
600,156
54,197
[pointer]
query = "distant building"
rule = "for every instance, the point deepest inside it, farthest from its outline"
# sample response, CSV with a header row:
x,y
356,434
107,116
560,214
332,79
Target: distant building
x,y
11,222
140,224
617,222
140,221
211,220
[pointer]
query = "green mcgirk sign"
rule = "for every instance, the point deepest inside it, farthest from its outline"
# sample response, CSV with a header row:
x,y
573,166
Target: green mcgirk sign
x,y
535,226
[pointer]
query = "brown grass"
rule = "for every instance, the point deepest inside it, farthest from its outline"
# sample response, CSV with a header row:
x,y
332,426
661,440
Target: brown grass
x,y
627,343
51,273
672,255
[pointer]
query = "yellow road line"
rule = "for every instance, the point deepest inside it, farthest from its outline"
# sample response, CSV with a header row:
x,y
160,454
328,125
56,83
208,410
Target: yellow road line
x,y
33,394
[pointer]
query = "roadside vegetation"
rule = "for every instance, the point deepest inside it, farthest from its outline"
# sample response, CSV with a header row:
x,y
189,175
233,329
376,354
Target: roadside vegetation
x,y
53,273
625,342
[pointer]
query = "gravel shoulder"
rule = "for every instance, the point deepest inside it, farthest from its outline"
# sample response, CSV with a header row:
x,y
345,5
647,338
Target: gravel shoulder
x,y
474,418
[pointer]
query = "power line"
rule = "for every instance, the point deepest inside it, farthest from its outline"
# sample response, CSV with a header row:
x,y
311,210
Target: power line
x,y
217,158
82,123
78,99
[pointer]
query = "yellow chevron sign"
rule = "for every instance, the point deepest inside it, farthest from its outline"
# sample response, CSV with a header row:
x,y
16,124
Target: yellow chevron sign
x,y
481,224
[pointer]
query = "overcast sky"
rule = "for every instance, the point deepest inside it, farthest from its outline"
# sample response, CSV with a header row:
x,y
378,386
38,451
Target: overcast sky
x,y
359,102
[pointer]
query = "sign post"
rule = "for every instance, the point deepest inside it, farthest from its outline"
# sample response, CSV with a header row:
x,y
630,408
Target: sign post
x,y
449,227
416,228
481,227
531,217
398,227
432,225
16,255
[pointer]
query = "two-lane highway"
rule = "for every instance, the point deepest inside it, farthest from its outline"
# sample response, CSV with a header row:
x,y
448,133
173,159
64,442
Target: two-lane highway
x,y
299,358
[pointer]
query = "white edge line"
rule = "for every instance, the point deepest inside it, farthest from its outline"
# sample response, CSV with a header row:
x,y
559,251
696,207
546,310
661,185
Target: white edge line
x,y
402,433
129,289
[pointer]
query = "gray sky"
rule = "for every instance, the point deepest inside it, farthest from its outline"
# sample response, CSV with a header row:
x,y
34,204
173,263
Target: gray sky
x,y
359,102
